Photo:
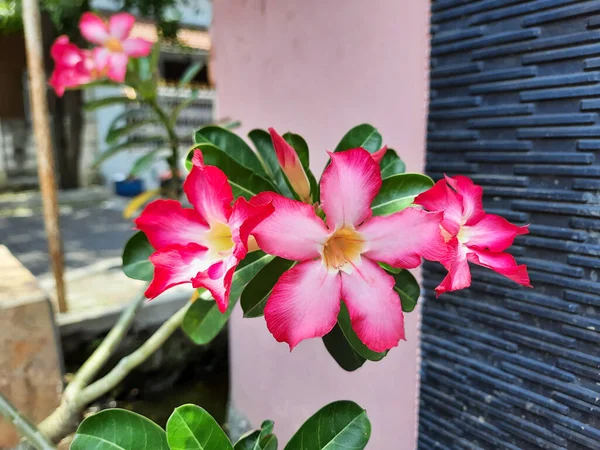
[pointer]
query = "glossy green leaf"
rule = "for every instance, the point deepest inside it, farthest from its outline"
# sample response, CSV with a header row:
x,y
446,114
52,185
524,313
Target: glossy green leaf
x,y
119,429
131,144
365,136
340,349
391,164
340,425
145,162
243,181
255,294
264,146
398,192
358,346
408,289
115,133
232,145
136,264
262,439
190,73
301,147
192,428
107,101
203,321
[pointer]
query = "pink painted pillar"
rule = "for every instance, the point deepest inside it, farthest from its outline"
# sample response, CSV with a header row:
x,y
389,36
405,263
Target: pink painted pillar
x,y
318,68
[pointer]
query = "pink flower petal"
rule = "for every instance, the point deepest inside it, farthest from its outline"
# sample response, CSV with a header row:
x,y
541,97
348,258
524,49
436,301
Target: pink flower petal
x,y
120,25
166,223
459,274
208,191
293,231
291,166
492,232
374,307
348,186
503,263
137,47
117,66
93,28
304,304
217,279
175,265
244,219
402,238
441,198
379,154
472,196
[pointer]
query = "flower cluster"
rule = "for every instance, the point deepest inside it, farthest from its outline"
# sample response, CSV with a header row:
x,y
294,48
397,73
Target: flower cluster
x,y
341,251
108,59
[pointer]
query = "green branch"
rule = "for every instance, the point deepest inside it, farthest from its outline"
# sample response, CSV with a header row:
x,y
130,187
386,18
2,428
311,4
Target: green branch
x,y
26,428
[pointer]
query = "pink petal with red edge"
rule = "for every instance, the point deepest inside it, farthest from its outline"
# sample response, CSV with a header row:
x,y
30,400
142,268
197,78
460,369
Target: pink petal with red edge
x,y
459,274
93,28
293,231
304,303
166,222
441,198
472,198
137,47
403,238
291,166
208,191
175,265
348,186
503,263
379,154
217,279
286,154
244,219
493,232
120,25
117,66
374,307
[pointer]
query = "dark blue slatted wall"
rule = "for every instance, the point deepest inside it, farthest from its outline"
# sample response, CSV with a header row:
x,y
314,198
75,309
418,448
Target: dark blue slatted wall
x,y
515,104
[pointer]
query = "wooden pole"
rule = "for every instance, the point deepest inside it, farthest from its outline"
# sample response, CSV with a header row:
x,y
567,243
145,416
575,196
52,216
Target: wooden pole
x,y
43,140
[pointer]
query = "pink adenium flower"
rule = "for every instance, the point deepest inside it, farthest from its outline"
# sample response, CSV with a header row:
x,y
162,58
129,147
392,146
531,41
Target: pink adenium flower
x,y
338,259
116,47
291,166
204,244
471,234
71,67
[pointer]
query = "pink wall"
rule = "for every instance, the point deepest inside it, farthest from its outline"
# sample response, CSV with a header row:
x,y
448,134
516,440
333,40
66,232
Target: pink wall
x,y
319,67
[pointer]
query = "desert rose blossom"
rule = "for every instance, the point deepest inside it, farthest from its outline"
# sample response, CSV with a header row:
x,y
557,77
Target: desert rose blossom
x,y
471,234
115,45
338,259
71,68
204,244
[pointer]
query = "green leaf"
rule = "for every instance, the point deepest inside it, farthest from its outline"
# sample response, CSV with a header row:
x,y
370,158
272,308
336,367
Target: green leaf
x,y
391,164
232,145
107,101
262,439
301,147
340,349
262,141
133,143
144,162
408,289
203,321
243,181
119,429
255,295
398,192
190,73
340,425
358,346
114,133
192,428
365,136
136,264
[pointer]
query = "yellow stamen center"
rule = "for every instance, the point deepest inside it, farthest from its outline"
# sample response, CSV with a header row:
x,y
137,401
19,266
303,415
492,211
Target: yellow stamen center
x,y
114,45
345,245
219,238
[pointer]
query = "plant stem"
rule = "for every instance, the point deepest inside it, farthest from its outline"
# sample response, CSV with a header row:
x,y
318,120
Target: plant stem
x,y
173,160
26,428
130,362
57,424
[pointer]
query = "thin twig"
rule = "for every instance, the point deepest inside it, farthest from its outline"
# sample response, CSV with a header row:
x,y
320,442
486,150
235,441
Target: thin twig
x,y
26,428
